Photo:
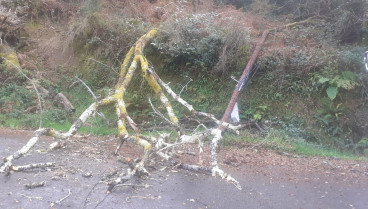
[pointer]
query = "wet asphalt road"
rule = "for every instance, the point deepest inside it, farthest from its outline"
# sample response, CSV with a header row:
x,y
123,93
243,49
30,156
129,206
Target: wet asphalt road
x,y
167,188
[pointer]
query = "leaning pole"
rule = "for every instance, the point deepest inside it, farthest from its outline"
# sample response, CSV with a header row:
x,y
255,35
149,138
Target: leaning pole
x,y
243,78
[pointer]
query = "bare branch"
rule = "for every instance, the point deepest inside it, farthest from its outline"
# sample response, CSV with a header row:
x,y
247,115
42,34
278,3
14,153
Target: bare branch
x,y
160,114
103,64
94,97
185,86
32,166
62,199
24,150
135,59
87,87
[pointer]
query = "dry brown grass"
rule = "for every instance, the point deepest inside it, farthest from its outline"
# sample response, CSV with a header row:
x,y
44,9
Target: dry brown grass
x,y
53,41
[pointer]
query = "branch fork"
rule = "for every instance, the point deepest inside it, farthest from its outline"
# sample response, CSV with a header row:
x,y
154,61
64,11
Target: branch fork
x,y
134,60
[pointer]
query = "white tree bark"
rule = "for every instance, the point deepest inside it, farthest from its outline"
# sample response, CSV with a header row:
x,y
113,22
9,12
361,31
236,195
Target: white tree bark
x,y
24,150
161,147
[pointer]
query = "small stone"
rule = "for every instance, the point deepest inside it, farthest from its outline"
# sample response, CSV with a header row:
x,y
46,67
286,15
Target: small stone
x,y
191,153
87,175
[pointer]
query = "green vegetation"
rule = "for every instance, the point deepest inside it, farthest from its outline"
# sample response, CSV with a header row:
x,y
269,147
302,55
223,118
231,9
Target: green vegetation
x,y
309,82
200,43
280,140
15,101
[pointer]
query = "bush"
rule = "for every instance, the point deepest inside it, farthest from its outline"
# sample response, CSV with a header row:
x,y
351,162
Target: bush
x,y
343,18
199,42
15,99
101,43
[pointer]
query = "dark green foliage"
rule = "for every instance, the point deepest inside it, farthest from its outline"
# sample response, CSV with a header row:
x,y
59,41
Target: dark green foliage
x,y
15,99
200,44
11,75
208,94
97,75
332,79
310,84
329,116
259,113
56,115
344,19
283,84
191,41
101,44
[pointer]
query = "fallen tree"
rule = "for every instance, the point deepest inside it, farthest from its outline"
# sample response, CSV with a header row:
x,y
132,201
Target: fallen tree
x,y
152,146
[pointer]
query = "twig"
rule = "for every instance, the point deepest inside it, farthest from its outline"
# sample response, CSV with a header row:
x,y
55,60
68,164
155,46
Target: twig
x,y
258,127
89,194
103,64
120,180
133,125
185,86
24,150
134,185
195,168
35,185
87,87
169,146
94,97
31,197
190,107
159,113
62,199
32,166
142,197
99,203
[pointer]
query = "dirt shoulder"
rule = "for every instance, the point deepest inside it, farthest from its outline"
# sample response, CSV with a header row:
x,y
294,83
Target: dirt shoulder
x,y
269,180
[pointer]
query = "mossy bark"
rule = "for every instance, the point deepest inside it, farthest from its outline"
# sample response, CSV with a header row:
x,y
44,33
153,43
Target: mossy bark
x,y
10,56
133,61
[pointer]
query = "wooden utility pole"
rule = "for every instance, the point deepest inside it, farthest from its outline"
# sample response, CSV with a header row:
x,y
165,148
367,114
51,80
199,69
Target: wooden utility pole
x,y
242,79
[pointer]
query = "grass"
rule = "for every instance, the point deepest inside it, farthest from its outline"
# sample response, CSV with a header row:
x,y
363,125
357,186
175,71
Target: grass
x,y
10,122
312,150
59,120
279,140
94,128
274,139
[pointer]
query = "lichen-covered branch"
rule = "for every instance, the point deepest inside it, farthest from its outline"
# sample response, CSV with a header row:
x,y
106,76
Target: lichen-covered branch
x,y
134,60
177,98
158,90
8,162
32,166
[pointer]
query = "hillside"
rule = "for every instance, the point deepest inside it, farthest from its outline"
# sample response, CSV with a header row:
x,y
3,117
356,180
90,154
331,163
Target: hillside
x,y
309,82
